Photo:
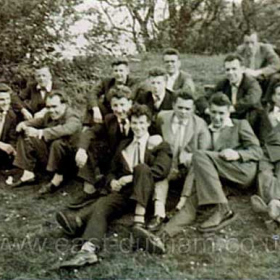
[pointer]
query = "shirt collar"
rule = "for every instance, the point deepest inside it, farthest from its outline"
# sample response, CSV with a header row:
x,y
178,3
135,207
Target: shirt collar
x,y
228,122
175,120
173,76
276,109
237,84
143,140
48,87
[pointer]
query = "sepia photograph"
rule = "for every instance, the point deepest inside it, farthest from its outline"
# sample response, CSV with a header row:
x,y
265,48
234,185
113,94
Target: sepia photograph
x,y
139,139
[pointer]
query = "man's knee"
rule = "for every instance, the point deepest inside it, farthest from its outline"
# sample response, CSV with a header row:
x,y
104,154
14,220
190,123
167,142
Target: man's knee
x,y
142,168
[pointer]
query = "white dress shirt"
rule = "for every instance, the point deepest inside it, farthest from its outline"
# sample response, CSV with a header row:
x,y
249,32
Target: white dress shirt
x,y
170,80
2,122
45,90
274,116
177,124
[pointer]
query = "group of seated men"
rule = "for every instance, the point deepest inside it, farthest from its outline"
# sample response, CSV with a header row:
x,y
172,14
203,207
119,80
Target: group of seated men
x,y
139,140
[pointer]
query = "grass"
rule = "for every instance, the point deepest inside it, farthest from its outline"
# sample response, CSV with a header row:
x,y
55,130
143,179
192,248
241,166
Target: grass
x,y
31,242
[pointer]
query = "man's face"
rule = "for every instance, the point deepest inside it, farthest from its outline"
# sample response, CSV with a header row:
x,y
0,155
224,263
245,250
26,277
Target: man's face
x,y
139,125
5,101
120,73
251,43
219,114
43,76
55,107
172,63
183,109
234,71
157,85
120,107
276,97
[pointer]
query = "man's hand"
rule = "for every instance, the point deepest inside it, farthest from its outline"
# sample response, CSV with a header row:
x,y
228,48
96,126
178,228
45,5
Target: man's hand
x,y
124,180
185,158
115,185
97,116
41,113
21,127
32,132
229,155
81,157
7,148
181,202
26,114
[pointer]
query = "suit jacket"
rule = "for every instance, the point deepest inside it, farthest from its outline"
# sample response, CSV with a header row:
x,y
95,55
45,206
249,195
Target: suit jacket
x,y
9,130
109,132
31,98
147,99
270,138
67,127
248,95
184,81
159,159
197,136
241,138
266,59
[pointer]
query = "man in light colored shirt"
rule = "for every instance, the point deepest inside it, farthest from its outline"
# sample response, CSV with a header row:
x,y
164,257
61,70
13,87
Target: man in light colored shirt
x,y
8,123
176,79
136,167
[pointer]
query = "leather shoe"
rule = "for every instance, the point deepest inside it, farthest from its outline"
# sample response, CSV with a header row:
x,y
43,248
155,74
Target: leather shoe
x,y
147,241
258,205
155,223
20,183
48,189
80,259
70,223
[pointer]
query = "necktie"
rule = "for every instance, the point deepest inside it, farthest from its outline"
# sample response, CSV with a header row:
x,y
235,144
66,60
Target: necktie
x,y
177,144
136,154
122,125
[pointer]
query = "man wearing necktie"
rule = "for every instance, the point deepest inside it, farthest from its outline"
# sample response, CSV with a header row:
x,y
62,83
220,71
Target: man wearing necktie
x,y
8,123
186,133
269,167
99,143
135,169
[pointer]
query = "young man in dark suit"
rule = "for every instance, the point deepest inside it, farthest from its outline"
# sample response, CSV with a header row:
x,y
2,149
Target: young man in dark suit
x,y
33,99
176,79
98,103
135,169
99,143
8,122
50,141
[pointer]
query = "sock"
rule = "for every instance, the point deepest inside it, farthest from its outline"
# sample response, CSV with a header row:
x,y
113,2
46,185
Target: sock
x,y
89,247
27,175
57,179
139,214
159,209
89,188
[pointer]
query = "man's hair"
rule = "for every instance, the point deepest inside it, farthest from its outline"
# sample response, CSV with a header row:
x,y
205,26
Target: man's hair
x,y
119,92
171,51
219,99
156,72
5,88
233,56
63,98
41,66
119,61
250,32
183,94
138,110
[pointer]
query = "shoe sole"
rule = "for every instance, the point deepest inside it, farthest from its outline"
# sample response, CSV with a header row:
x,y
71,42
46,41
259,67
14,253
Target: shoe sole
x,y
148,241
223,224
63,222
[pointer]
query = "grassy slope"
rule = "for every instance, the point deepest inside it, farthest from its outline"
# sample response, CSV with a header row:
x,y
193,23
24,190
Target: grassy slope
x,y
31,242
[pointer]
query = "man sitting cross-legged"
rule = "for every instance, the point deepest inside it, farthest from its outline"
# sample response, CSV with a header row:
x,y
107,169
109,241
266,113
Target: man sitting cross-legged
x,y
233,159
8,122
268,198
135,169
49,141
98,144
186,133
